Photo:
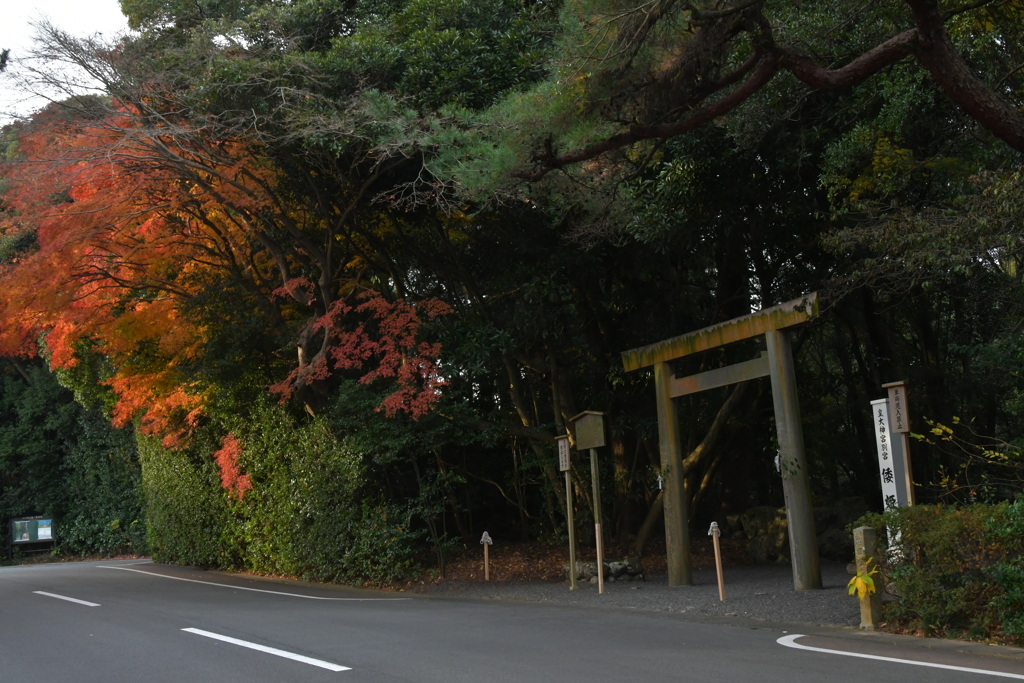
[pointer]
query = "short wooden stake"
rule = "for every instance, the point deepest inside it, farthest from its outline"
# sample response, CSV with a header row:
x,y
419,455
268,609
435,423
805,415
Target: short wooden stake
x,y
713,532
486,541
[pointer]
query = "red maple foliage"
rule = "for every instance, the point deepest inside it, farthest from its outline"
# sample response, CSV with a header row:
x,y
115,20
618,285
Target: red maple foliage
x,y
231,477
393,344
131,223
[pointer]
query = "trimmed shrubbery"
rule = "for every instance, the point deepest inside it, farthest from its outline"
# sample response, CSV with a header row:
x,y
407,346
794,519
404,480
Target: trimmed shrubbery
x,y
304,510
954,571
102,483
185,515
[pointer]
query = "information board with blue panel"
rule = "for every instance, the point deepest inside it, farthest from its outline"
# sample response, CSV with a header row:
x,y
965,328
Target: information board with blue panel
x,y
32,530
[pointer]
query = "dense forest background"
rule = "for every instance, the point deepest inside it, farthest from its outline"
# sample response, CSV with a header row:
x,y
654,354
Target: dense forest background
x,y
311,287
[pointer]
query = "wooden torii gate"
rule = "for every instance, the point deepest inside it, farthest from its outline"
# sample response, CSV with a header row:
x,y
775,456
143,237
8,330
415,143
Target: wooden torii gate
x,y
770,322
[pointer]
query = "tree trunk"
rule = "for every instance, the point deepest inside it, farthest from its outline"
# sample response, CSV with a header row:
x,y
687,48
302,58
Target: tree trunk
x,y
691,461
937,53
19,368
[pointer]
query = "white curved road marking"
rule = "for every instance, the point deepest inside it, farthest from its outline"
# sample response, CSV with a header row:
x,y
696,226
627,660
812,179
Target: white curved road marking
x,y
790,641
254,590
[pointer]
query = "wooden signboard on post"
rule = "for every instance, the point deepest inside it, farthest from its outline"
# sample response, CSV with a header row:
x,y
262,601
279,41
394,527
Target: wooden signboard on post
x,y
589,429
564,462
899,422
898,407
590,434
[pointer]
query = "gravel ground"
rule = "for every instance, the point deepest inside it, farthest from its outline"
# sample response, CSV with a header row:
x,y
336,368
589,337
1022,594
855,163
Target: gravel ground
x,y
760,593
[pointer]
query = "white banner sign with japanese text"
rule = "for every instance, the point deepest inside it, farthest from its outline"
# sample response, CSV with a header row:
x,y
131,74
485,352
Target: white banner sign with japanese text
x,y
886,460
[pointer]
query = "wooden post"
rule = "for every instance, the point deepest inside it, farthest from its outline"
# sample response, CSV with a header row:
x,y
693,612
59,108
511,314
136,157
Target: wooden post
x,y
865,548
677,532
486,541
597,519
590,434
572,531
803,542
900,425
565,465
714,533
908,471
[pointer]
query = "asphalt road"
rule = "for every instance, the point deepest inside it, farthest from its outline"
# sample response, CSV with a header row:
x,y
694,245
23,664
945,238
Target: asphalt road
x,y
137,621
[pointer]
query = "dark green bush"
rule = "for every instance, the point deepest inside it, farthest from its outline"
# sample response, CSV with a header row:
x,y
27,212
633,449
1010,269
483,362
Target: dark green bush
x,y
62,460
1009,605
103,484
382,546
1008,531
311,511
186,512
954,571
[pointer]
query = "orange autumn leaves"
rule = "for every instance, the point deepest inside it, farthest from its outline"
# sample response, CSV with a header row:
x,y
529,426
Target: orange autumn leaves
x,y
128,228
102,277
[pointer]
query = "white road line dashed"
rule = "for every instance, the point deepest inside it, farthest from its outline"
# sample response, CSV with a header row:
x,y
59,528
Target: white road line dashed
x,y
64,597
269,650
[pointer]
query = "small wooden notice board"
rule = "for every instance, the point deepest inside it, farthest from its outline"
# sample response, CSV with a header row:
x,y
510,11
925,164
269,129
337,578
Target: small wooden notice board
x,y
31,533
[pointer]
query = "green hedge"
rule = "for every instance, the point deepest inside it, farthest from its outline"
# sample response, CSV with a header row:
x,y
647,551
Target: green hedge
x,y
103,494
185,513
311,511
67,462
955,571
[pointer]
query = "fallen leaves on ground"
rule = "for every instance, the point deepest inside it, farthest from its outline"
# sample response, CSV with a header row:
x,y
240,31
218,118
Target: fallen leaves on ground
x,y
544,562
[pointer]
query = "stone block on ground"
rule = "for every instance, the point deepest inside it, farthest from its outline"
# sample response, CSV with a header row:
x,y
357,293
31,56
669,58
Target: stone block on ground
x,y
626,569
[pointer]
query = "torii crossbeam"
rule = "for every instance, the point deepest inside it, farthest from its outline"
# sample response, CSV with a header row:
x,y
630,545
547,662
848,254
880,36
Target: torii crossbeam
x,y
772,323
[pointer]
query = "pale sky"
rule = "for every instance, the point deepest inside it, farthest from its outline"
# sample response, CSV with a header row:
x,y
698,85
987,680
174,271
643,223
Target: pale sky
x,y
77,17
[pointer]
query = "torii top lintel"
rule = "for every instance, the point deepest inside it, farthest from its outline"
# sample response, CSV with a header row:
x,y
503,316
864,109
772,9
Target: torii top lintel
x,y
775,318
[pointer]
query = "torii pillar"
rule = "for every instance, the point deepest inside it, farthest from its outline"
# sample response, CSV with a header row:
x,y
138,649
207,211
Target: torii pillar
x,y
772,323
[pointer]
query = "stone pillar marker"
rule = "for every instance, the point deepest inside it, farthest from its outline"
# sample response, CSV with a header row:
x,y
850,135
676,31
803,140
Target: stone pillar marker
x,y
865,547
